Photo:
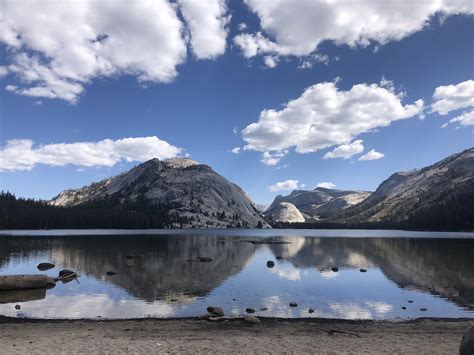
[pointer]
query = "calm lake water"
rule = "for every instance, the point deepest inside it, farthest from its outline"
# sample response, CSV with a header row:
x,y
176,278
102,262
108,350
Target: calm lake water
x,y
431,270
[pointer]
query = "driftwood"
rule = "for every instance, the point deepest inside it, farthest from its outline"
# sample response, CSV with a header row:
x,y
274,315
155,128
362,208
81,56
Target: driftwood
x,y
24,282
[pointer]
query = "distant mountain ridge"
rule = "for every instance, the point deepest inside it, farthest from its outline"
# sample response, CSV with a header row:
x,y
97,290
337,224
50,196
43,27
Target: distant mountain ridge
x,y
320,202
192,193
410,193
439,196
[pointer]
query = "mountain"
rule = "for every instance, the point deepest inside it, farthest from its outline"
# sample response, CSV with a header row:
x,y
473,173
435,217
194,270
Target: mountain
x,y
286,212
188,193
320,202
441,193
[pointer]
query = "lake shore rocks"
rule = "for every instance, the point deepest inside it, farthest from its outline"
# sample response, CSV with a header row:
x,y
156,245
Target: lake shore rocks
x,y
215,311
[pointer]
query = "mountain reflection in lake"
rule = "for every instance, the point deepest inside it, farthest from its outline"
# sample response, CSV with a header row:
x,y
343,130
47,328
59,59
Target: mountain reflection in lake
x,y
166,279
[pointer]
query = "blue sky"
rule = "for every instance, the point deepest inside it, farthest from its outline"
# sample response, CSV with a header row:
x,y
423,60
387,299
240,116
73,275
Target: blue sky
x,y
211,96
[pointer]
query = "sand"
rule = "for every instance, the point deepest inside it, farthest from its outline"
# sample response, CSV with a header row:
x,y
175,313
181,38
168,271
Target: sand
x,y
189,336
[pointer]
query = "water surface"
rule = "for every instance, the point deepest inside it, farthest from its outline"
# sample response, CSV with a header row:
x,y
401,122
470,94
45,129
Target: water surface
x,y
433,270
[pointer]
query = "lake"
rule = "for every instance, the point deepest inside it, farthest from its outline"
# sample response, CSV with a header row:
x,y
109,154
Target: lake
x,y
163,277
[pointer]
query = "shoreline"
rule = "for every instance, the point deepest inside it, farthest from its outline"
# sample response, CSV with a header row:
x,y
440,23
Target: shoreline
x,y
189,335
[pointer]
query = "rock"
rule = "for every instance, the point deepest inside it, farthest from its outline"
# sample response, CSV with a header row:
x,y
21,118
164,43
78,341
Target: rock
x,y
250,310
423,309
17,307
263,309
174,300
204,258
45,266
270,264
279,258
287,213
293,304
310,310
410,301
216,311
404,308
111,273
363,270
251,319
66,273
467,343
335,269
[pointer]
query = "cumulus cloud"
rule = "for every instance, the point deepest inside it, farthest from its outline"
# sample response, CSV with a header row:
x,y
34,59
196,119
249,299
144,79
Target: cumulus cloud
x,y
326,185
465,119
56,48
284,185
273,158
324,116
207,22
372,155
236,150
453,97
355,23
20,154
345,151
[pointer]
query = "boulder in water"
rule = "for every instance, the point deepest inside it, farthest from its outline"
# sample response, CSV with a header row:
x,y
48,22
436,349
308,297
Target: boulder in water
x,y
45,266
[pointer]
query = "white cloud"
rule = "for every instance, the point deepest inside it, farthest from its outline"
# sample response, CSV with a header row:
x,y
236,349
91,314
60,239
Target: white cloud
x,y
236,150
273,158
345,151
324,116
19,154
270,61
326,185
56,48
207,21
3,72
465,119
242,26
296,28
453,97
372,155
284,185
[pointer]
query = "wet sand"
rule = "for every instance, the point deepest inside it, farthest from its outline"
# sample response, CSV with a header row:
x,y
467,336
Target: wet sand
x,y
190,336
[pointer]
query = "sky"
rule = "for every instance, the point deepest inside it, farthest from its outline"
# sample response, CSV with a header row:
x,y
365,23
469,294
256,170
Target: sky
x,y
273,95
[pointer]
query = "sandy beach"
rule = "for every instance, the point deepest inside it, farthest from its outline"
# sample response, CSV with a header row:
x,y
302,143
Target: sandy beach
x,y
190,336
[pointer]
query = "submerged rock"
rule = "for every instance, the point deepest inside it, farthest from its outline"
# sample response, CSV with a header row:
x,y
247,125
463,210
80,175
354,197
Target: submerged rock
x,y
215,311
270,264
45,266
66,273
